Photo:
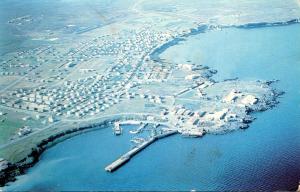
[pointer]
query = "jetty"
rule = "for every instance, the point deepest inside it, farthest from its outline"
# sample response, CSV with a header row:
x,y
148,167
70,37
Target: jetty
x,y
130,122
127,156
139,129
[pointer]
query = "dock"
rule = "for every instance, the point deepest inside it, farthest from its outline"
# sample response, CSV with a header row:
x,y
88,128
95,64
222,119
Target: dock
x,y
139,129
130,122
127,156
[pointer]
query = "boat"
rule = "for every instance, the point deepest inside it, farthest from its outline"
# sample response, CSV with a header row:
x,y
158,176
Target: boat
x,y
137,140
133,131
117,129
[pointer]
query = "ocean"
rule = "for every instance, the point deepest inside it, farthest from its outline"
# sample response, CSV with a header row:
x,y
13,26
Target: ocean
x,y
263,157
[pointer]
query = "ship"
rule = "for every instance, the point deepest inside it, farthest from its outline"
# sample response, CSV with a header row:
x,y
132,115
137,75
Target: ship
x,y
117,129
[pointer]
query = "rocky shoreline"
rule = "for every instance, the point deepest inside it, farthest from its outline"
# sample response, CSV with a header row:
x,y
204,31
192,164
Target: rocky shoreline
x,y
12,170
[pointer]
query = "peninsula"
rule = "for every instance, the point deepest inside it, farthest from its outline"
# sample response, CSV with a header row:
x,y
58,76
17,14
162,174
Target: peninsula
x,y
113,75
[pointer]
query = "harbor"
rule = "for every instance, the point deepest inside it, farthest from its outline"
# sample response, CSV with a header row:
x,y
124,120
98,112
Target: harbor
x,y
86,86
127,156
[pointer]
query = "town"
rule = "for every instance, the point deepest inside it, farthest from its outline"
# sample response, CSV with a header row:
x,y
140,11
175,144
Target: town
x,y
105,78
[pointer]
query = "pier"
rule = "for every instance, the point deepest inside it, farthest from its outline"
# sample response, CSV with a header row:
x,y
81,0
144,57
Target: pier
x,y
127,156
139,129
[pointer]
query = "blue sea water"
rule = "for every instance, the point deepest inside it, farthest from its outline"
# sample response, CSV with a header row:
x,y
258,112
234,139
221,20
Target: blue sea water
x,y
263,157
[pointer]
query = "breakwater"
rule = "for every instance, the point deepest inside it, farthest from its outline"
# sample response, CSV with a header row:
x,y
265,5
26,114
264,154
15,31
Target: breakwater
x,y
127,156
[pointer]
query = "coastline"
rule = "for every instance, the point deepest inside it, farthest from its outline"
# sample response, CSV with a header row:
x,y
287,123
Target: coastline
x,y
19,167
